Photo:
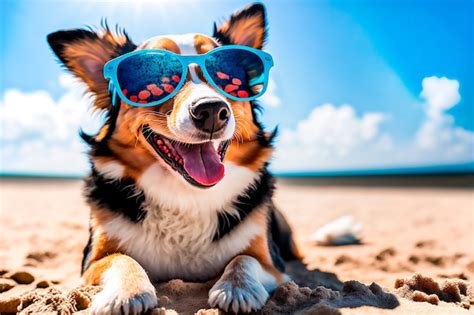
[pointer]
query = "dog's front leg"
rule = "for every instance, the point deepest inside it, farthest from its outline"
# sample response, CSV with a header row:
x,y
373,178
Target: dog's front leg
x,y
127,288
244,286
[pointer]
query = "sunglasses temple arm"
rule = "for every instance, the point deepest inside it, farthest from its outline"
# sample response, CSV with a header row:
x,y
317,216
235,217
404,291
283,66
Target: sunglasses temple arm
x,y
113,93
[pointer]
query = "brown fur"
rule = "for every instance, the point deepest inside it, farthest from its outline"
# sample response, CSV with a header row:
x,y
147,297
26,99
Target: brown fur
x,y
102,247
130,272
163,43
249,153
247,32
204,43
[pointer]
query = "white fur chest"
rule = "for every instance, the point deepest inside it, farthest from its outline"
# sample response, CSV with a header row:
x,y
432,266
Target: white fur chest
x,y
175,240
174,245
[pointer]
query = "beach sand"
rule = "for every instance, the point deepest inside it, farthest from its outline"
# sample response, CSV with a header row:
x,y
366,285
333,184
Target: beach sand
x,y
428,232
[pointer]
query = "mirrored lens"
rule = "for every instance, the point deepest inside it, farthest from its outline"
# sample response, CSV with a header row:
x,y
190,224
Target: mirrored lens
x,y
236,71
147,78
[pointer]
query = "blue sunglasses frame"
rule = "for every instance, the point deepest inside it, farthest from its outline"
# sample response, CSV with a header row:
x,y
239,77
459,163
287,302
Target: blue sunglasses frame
x,y
111,67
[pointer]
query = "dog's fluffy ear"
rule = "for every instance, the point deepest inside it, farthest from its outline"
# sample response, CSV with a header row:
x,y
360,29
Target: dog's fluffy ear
x,y
84,52
246,27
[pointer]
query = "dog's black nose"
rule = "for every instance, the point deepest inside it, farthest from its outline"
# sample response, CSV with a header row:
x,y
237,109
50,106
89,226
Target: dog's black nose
x,y
210,115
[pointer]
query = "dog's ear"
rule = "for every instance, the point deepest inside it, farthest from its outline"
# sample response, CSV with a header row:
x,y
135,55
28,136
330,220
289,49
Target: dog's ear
x,y
246,27
84,52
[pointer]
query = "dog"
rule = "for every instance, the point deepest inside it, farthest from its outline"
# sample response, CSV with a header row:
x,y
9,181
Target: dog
x,y
150,221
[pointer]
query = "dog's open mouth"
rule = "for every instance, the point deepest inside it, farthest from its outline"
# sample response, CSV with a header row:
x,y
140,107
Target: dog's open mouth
x,y
200,164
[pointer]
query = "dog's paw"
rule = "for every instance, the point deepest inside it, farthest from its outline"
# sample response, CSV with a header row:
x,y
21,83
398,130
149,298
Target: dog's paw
x,y
119,300
242,296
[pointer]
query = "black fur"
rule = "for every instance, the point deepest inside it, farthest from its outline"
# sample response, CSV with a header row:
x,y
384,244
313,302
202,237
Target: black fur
x,y
119,196
86,251
281,236
60,39
250,199
275,251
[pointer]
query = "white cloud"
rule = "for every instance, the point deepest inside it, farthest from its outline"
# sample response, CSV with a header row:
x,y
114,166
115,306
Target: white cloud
x,y
337,138
335,130
329,137
438,135
270,97
440,94
40,134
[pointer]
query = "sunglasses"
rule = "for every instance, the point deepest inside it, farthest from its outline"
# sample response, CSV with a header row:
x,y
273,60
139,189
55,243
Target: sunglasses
x,y
150,77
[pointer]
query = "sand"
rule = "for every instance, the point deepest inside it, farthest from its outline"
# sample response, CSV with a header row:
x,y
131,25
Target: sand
x,y
416,254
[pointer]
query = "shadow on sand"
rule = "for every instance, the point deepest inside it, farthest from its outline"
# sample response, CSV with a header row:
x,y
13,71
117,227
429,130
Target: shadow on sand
x,y
319,292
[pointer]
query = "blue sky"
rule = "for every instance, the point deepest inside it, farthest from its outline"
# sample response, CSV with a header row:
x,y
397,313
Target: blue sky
x,y
356,84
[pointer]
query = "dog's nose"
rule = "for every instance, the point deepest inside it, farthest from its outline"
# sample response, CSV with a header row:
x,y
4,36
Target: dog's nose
x,y
210,115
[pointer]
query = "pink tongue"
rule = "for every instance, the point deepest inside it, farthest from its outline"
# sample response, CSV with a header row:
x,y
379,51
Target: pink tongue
x,y
202,162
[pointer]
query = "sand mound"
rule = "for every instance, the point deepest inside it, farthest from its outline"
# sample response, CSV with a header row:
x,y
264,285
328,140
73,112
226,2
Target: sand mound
x,y
50,300
6,284
22,277
292,299
425,289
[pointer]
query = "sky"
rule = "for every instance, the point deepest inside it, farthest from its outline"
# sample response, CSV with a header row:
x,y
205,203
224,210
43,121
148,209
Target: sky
x,y
356,84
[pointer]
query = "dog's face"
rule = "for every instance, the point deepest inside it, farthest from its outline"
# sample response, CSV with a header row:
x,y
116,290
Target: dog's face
x,y
190,132
188,135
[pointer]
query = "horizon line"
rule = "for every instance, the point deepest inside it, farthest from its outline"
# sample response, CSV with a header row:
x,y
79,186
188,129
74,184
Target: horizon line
x,y
441,169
